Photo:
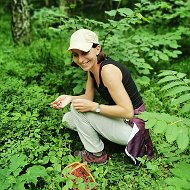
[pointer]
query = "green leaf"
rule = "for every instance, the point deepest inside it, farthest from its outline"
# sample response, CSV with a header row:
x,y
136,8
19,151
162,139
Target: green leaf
x,y
79,180
16,116
45,159
34,172
181,75
91,185
152,167
187,81
146,49
155,59
125,11
53,159
17,162
82,186
157,44
178,183
169,188
111,13
140,16
177,90
173,44
166,73
185,108
4,173
183,139
68,72
49,169
171,84
167,79
186,121
143,80
168,118
69,183
19,186
160,127
163,56
5,183
183,98
57,167
151,123
78,89
177,52
181,170
172,133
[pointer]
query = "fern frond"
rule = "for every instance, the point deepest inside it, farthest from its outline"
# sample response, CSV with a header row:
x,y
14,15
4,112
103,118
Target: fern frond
x,y
167,79
170,75
183,98
176,86
177,90
172,84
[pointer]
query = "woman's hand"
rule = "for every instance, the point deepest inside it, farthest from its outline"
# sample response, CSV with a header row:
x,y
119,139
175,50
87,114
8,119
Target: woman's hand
x,y
61,101
84,105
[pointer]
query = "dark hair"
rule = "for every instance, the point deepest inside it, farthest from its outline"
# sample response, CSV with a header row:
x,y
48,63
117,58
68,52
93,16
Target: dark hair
x,y
100,57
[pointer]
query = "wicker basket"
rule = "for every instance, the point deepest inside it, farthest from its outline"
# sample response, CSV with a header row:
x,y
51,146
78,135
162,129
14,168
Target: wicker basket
x,y
81,170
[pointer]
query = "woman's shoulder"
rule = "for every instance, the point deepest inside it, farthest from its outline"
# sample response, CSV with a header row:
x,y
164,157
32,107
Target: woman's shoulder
x,y
110,61
110,71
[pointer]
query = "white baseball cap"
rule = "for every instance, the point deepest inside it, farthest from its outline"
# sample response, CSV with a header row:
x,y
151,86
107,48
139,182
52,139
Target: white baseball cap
x,y
83,39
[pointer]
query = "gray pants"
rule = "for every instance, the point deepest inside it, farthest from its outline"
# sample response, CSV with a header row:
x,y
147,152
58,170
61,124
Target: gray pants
x,y
89,125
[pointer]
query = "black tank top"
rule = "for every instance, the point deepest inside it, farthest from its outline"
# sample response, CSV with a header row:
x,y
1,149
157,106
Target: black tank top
x,y
127,81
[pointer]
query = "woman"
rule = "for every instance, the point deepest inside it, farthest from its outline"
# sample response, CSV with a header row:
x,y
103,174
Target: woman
x,y
115,85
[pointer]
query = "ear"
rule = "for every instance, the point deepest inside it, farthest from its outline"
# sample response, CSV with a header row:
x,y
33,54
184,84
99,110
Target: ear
x,y
98,49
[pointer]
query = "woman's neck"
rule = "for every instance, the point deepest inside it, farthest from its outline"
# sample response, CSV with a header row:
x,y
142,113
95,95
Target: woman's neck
x,y
95,72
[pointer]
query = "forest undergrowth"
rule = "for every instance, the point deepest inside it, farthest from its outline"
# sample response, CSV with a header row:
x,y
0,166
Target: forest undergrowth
x,y
35,146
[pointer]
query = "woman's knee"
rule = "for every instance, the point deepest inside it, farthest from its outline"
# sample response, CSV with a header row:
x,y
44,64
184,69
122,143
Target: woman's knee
x,y
73,110
67,120
69,116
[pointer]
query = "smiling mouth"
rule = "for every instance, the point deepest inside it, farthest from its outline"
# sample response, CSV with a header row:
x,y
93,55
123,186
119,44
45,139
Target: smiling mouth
x,y
83,64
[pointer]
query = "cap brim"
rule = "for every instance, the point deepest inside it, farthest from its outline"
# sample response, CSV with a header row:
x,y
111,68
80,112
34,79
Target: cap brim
x,y
81,46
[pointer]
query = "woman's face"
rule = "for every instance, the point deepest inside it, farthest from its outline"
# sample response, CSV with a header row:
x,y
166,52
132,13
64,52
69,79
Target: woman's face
x,y
86,60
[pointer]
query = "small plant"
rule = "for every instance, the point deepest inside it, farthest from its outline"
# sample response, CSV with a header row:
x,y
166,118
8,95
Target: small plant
x,y
180,179
17,175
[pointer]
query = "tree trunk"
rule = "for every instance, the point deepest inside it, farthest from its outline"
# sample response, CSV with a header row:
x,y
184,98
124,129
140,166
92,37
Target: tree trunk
x,y
21,24
64,5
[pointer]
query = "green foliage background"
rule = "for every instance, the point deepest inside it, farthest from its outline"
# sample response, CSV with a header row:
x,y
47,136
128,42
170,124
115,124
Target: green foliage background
x,y
152,40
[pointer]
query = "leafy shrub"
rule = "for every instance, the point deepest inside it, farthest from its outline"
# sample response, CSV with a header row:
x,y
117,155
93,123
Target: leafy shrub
x,y
36,147
175,127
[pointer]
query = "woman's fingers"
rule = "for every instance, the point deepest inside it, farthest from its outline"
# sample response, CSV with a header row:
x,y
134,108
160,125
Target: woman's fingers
x,y
82,105
61,101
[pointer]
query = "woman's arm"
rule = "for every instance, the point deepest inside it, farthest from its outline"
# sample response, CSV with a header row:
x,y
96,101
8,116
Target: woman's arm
x,y
63,100
112,79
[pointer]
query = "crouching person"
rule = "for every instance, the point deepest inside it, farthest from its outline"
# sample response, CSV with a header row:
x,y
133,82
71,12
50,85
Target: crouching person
x,y
115,120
